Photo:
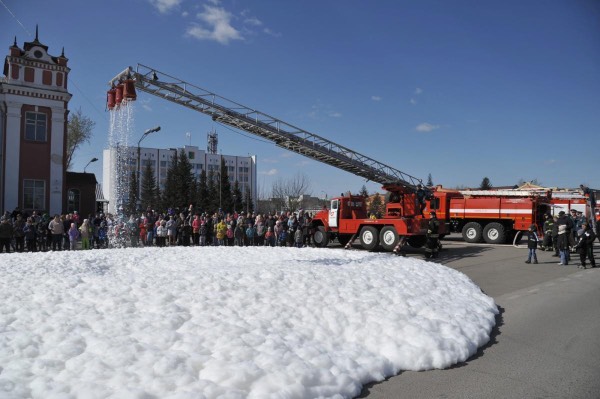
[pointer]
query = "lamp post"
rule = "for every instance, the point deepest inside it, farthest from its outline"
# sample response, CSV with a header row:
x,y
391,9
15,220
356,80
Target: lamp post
x,y
91,160
147,132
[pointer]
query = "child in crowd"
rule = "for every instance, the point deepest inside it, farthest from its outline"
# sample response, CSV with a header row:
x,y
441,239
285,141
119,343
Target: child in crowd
x,y
86,231
73,236
532,242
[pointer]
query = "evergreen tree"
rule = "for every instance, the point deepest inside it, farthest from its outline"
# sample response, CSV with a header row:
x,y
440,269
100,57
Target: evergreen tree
x,y
485,184
376,205
183,181
247,204
225,188
237,197
203,195
170,194
429,181
149,197
212,203
131,206
363,191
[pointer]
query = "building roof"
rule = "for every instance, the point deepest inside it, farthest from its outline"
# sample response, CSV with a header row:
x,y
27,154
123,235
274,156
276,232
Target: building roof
x,y
100,194
80,179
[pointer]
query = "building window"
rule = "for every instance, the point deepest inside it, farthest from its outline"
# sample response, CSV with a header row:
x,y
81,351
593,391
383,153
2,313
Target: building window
x,y
47,77
191,155
73,200
29,74
35,126
34,194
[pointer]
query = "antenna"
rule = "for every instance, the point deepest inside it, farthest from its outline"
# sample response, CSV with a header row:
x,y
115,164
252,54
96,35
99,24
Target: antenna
x,y
212,142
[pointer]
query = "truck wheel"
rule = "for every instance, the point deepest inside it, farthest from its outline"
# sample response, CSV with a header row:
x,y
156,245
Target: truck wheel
x,y
369,238
416,241
388,238
494,233
343,239
321,237
472,232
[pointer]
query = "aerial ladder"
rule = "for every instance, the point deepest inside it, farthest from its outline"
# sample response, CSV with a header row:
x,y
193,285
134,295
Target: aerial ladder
x,y
401,186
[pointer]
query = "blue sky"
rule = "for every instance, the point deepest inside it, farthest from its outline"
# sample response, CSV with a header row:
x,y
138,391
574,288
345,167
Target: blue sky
x,y
459,89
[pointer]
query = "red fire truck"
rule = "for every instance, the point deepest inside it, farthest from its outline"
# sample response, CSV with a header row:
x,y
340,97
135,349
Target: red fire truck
x,y
494,216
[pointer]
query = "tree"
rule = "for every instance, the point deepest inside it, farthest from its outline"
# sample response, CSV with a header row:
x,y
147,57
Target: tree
x,y
247,204
131,207
184,180
79,131
376,205
225,188
237,197
485,184
429,181
149,191
170,194
203,192
363,191
288,191
212,203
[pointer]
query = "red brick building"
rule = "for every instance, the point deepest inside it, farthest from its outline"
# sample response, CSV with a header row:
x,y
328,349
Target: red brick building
x,y
33,129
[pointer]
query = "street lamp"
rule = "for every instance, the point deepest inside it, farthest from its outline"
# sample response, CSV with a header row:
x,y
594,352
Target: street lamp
x,y
91,160
147,132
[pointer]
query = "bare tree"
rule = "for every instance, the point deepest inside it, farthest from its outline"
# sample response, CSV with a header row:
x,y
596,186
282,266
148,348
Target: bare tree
x,y
79,131
286,192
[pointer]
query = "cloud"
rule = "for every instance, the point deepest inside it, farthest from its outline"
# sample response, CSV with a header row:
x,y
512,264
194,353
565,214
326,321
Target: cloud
x,y
334,114
216,25
375,98
185,14
418,91
253,21
426,127
164,6
270,172
413,101
269,160
271,33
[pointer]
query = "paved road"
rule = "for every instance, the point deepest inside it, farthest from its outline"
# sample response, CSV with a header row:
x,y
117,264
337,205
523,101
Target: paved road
x,y
546,343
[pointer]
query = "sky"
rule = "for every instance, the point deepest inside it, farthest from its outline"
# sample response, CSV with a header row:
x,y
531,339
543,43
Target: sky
x,y
195,322
458,89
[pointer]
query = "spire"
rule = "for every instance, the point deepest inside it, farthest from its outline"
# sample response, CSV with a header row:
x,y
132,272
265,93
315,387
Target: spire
x,y
36,33
63,52
15,43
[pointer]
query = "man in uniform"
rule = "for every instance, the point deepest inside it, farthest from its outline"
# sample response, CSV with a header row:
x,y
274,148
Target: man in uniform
x,y
433,237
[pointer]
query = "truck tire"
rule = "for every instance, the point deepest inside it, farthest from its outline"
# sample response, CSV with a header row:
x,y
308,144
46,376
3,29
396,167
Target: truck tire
x,y
494,233
416,241
472,232
388,238
320,237
343,239
369,238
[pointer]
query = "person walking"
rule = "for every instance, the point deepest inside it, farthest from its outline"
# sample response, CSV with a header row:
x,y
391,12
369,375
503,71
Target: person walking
x,y
586,245
433,237
532,242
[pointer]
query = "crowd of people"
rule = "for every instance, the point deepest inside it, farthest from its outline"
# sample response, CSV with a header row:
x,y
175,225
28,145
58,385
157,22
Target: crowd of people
x,y
564,234
20,232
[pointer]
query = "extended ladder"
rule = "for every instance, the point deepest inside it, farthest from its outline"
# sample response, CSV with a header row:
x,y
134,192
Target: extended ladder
x,y
284,135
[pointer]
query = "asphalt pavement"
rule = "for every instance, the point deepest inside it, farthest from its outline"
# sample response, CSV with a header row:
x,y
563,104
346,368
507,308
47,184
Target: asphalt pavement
x,y
546,343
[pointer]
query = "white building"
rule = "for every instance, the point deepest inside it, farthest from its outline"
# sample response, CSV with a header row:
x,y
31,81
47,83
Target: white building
x,y
240,168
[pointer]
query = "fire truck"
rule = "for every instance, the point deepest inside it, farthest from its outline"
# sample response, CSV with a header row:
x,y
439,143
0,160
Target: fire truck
x,y
495,216
347,217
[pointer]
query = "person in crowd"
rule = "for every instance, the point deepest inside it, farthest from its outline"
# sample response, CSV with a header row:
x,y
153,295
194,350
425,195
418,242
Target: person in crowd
x,y
282,237
57,230
171,230
229,236
186,233
73,233
6,234
66,221
421,197
196,230
134,233
221,231
269,237
261,229
142,230
161,233
433,236
202,233
299,238
86,232
567,221
547,241
585,246
250,234
19,234
30,233
563,244
532,243
238,235
555,236
44,237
